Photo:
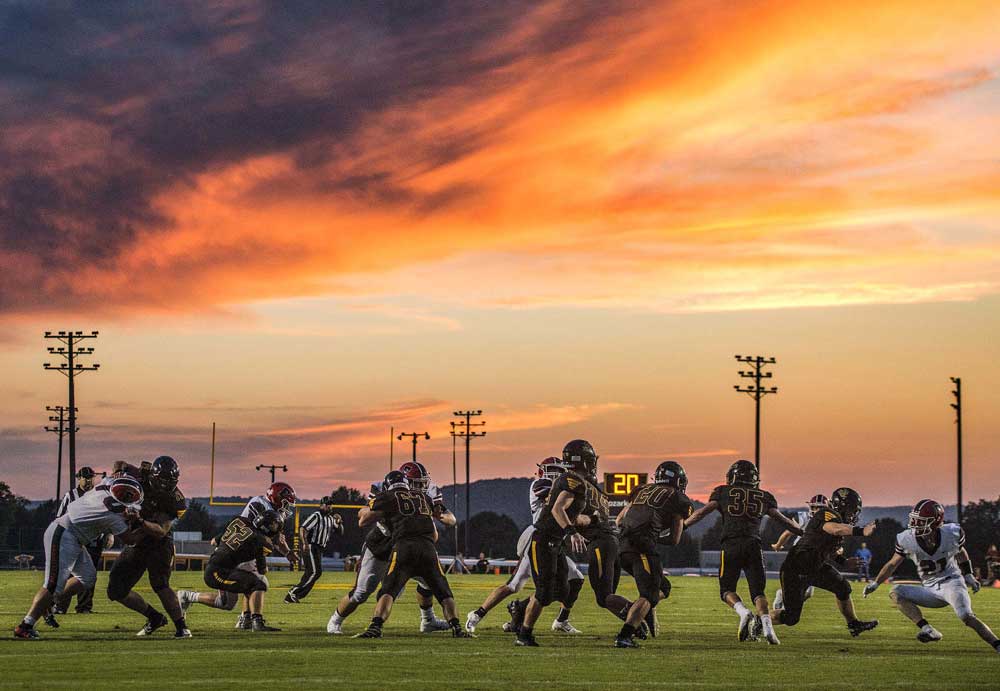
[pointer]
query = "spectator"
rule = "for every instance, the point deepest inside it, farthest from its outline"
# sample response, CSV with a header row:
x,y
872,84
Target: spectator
x,y
458,565
993,563
483,565
864,557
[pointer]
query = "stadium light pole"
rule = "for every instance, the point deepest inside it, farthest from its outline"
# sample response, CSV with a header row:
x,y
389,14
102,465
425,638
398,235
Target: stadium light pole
x,y
70,350
957,405
273,468
61,431
414,436
756,392
466,431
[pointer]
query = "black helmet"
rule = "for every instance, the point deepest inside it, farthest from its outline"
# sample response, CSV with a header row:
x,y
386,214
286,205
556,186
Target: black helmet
x,y
579,455
846,502
671,473
269,523
743,473
164,473
395,480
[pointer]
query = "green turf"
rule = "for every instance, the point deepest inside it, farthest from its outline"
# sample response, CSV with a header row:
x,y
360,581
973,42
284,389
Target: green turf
x,y
697,648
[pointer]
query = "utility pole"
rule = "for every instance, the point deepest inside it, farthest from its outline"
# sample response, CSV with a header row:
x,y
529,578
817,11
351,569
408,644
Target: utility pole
x,y
756,392
70,350
414,436
454,480
61,431
465,430
957,405
272,468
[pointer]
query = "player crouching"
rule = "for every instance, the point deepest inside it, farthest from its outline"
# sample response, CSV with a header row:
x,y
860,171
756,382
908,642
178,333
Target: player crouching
x,y
408,514
938,550
243,540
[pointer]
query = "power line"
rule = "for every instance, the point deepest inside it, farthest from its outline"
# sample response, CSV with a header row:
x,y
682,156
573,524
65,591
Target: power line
x,y
70,350
61,430
414,436
957,405
464,429
756,392
272,468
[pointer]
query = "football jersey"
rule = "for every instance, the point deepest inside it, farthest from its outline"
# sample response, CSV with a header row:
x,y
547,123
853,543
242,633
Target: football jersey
x,y
93,514
651,510
407,513
937,566
538,495
599,510
156,505
239,542
379,539
256,507
814,539
742,507
567,482
433,492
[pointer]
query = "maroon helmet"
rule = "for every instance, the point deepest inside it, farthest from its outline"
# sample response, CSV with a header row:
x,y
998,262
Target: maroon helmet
x,y
817,502
551,468
926,517
282,496
416,474
125,492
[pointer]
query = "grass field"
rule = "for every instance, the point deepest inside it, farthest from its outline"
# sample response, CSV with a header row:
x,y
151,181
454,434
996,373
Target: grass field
x,y
697,647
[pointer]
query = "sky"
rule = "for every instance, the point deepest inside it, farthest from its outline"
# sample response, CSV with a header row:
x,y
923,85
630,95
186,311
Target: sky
x,y
312,223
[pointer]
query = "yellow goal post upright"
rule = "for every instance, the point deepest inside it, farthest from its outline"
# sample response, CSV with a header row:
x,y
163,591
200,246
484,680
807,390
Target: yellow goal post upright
x,y
298,506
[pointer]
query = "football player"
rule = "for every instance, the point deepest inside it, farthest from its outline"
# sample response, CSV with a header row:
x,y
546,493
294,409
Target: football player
x,y
162,504
655,513
111,507
280,498
409,515
548,470
85,600
938,550
817,502
378,548
242,540
809,561
559,522
742,504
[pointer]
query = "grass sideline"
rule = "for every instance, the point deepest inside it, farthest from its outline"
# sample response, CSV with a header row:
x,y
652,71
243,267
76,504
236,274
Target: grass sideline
x,y
697,649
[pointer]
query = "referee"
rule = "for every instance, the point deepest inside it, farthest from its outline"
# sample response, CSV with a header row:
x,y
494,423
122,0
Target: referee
x,y
314,534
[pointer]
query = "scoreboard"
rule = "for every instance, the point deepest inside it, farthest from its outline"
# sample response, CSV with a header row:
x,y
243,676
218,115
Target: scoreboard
x,y
618,487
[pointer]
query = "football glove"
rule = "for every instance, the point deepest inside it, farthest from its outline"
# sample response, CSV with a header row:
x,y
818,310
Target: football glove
x,y
972,582
871,588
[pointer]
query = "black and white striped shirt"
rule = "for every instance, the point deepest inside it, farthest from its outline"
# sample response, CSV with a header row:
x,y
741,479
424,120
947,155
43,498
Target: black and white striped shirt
x,y
319,528
68,499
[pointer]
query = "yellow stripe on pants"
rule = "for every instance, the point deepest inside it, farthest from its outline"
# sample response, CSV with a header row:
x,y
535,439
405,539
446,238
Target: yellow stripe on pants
x,y
392,564
722,564
645,562
600,567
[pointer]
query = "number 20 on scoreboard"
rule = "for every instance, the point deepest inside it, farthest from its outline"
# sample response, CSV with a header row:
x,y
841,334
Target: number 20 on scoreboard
x,y
622,484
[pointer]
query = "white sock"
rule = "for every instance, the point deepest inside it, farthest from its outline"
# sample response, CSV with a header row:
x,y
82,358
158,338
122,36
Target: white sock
x,y
427,614
741,609
765,620
30,621
337,619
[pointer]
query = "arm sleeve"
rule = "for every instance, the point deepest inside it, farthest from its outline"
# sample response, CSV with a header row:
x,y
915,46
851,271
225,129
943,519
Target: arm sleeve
x,y
716,495
435,494
255,509
573,484
770,501
310,522
63,505
961,537
898,549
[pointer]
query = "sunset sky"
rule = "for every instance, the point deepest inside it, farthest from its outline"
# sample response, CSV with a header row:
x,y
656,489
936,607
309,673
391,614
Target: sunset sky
x,y
309,222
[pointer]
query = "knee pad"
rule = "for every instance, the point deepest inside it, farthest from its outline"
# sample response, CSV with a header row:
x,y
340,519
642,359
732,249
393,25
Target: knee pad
x,y
359,597
116,591
260,586
263,579
226,601
424,592
159,583
843,591
575,586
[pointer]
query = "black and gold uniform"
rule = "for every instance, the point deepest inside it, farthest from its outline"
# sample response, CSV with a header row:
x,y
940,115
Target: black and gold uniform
x,y
547,550
603,568
651,512
410,519
152,554
742,506
239,542
809,563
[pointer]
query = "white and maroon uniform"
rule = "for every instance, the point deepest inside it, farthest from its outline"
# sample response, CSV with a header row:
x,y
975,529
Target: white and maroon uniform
x,y
943,582
86,519
255,508
537,496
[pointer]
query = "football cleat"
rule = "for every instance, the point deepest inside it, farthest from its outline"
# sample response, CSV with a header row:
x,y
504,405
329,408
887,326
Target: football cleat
x,y
564,626
772,638
625,643
291,598
642,633
858,627
27,633
527,641
257,623
152,624
652,622
459,632
334,626
50,620
928,634
743,633
516,611
756,628
58,609
186,599
779,600
244,621
183,633
432,625
370,632
472,621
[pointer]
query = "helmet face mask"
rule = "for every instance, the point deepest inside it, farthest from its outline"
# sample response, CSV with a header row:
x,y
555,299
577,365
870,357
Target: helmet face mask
x,y
416,476
126,492
743,472
671,473
579,456
817,502
282,496
269,523
395,480
164,473
846,502
926,517
551,468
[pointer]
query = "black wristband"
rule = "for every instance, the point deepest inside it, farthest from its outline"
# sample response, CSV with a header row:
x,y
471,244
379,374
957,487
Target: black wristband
x,y
858,531
569,530
966,568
